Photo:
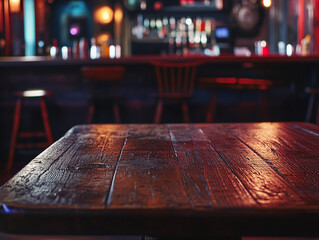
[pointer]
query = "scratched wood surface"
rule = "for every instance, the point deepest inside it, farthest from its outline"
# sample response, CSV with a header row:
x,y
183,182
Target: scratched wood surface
x,y
210,180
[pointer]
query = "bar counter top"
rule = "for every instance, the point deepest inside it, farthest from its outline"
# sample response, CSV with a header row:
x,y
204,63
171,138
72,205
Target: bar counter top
x,y
223,59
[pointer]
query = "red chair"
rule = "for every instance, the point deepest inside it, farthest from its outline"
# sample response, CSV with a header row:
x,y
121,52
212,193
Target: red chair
x,y
37,95
233,83
175,82
100,79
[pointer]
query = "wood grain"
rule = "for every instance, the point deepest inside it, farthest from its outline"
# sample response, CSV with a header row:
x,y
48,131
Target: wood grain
x,y
75,172
216,180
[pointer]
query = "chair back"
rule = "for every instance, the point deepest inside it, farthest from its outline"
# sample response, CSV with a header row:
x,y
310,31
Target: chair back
x,y
175,79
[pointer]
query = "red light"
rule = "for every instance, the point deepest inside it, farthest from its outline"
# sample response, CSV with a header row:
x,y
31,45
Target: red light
x,y
158,6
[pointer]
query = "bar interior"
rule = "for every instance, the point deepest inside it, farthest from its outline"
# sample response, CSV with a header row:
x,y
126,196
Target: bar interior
x,y
72,62
254,61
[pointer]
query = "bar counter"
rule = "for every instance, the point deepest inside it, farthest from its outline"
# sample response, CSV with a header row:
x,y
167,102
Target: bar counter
x,y
296,69
275,67
143,59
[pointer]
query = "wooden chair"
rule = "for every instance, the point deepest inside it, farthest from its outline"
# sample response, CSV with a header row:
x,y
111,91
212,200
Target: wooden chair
x,y
100,80
38,95
175,82
233,83
311,105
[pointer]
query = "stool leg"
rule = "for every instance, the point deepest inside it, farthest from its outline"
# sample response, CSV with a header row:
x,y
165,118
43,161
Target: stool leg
x,y
310,107
15,131
116,112
159,110
185,112
46,122
211,108
91,112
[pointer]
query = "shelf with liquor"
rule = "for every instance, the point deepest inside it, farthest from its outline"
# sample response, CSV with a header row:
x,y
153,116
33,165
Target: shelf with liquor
x,y
185,28
185,35
177,6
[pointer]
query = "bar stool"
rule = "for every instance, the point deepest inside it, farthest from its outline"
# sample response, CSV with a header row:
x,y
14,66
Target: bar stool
x,y
233,83
39,95
175,82
311,105
101,79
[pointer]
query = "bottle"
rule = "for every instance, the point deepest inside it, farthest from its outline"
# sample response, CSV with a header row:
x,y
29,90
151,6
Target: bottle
x,y
83,45
94,50
305,45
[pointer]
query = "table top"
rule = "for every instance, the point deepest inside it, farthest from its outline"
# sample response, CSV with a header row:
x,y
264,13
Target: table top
x,y
221,180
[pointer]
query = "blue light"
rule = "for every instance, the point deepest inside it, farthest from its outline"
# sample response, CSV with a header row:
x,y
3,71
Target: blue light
x,y
222,32
6,209
29,27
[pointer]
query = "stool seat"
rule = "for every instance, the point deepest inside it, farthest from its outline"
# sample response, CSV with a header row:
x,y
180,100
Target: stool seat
x,y
100,78
310,90
237,83
33,93
234,83
38,95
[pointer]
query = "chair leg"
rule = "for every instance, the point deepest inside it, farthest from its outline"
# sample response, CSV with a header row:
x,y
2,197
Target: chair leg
x,y
310,107
46,122
14,136
116,112
211,108
91,112
185,112
159,110
317,118
263,106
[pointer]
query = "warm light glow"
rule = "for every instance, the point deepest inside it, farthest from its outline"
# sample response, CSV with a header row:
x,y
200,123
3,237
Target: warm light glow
x,y
263,43
189,21
15,6
219,4
118,15
65,52
34,93
112,51
53,52
289,50
266,3
143,5
103,15
103,38
117,51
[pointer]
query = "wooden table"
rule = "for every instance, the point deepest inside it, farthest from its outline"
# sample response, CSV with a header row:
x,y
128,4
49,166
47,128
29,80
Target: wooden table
x,y
216,180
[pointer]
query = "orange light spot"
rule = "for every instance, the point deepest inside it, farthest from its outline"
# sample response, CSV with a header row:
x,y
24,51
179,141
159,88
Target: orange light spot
x,y
103,38
266,3
15,6
103,15
118,15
